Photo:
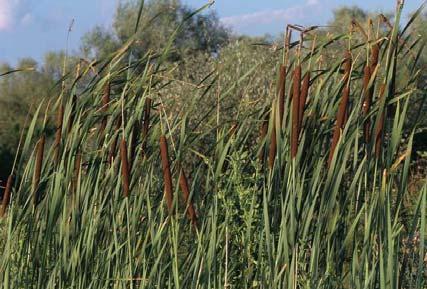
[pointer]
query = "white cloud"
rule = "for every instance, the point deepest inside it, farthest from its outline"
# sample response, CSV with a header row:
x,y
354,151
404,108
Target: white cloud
x,y
288,15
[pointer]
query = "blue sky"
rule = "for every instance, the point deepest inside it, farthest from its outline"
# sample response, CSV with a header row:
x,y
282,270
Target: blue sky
x,y
32,27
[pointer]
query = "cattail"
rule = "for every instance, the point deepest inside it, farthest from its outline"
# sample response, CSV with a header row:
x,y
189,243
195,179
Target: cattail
x,y
6,196
58,134
104,108
295,110
262,135
38,169
125,167
367,100
146,126
374,57
303,97
281,92
167,177
273,147
380,126
191,213
342,109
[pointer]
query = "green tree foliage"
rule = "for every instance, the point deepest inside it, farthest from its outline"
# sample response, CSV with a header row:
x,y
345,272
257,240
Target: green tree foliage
x,y
158,22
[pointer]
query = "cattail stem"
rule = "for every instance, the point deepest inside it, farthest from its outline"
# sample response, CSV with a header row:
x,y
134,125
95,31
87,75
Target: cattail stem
x,y
343,107
72,113
380,126
369,71
6,196
146,125
77,167
191,213
367,100
133,143
125,167
167,177
104,108
38,169
112,152
281,92
295,110
303,98
262,134
58,134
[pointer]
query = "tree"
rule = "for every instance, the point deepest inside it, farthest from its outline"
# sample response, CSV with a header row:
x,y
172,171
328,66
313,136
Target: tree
x,y
159,20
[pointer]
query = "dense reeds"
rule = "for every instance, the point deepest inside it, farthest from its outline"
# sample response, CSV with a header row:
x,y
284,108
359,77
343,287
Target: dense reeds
x,y
97,219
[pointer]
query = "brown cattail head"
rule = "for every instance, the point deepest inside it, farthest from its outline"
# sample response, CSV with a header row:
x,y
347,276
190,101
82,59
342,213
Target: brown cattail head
x,y
262,134
58,134
367,100
104,108
343,107
167,177
281,87
6,196
125,167
191,213
146,126
380,127
303,97
233,129
374,57
296,85
38,169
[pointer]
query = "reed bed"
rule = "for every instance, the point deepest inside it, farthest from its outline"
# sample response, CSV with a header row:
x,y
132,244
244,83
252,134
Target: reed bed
x,y
324,213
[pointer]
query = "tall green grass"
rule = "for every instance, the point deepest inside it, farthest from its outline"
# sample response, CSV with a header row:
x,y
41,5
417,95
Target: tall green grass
x,y
324,209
